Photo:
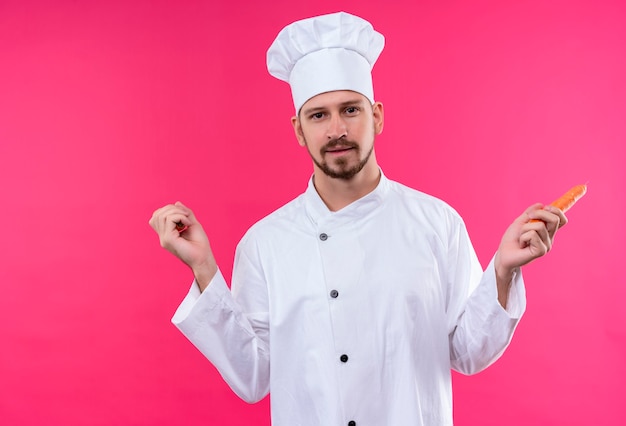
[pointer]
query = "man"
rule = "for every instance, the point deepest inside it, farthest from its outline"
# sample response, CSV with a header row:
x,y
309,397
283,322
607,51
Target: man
x,y
352,302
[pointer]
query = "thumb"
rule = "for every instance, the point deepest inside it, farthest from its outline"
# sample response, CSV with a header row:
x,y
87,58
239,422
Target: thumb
x,y
525,217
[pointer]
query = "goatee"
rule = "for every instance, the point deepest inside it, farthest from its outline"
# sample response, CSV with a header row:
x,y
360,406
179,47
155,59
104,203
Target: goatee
x,y
340,168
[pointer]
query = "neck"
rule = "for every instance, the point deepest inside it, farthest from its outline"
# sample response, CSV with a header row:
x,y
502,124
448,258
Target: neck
x,y
338,193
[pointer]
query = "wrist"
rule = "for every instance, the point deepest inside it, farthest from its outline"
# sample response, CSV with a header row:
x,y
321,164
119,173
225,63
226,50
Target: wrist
x,y
504,274
504,278
203,274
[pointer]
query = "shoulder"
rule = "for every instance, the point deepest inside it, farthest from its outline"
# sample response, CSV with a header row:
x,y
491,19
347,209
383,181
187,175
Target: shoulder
x,y
420,202
287,218
424,214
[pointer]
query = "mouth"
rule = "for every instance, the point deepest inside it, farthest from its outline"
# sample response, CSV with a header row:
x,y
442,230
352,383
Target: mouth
x,y
338,150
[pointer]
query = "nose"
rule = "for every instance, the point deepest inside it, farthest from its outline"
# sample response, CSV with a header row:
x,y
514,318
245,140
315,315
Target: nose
x,y
337,128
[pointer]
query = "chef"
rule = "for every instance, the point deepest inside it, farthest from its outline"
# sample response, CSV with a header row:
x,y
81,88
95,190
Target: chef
x,y
352,303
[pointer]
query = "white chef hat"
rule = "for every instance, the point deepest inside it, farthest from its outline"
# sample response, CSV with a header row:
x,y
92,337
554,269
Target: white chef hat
x,y
326,53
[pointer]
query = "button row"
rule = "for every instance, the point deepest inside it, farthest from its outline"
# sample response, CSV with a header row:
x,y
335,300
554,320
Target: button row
x,y
334,294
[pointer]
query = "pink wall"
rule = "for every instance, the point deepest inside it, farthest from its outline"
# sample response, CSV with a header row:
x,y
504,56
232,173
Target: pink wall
x,y
110,109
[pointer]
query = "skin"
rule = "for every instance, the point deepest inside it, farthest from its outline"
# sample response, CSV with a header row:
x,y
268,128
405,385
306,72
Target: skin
x,y
338,129
334,120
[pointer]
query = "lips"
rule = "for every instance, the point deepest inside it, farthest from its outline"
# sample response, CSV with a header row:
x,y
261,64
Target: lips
x,y
339,149
336,147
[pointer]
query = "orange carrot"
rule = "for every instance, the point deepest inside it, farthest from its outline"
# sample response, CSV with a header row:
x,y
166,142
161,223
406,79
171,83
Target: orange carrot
x,y
567,200
181,227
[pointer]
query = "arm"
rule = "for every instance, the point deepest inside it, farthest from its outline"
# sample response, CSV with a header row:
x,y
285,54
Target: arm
x,y
479,328
230,330
487,319
233,336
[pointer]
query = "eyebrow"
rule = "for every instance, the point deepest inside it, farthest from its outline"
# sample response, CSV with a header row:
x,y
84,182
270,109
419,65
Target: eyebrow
x,y
356,101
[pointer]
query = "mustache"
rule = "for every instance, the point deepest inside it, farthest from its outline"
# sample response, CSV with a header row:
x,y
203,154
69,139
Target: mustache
x,y
341,142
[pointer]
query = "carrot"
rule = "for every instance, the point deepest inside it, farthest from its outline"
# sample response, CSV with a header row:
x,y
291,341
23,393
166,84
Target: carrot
x,y
567,200
181,227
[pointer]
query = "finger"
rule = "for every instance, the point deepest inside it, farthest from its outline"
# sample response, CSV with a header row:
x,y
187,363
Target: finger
x,y
562,218
183,223
188,219
157,218
174,208
550,220
165,218
533,207
528,213
170,230
541,229
176,221
536,245
187,211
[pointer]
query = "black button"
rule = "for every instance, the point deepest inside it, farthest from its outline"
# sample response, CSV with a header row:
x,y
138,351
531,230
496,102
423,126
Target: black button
x,y
334,294
343,358
351,423
323,237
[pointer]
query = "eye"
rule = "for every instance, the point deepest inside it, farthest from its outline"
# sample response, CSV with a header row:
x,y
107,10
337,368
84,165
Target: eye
x,y
352,110
317,116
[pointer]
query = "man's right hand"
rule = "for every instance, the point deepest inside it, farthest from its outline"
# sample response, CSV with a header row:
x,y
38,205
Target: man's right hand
x,y
191,245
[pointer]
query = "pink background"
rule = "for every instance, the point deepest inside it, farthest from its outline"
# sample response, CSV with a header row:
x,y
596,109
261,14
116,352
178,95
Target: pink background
x,y
109,110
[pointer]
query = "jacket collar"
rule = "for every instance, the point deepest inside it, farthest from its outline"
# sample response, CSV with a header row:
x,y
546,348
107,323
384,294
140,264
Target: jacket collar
x,y
318,212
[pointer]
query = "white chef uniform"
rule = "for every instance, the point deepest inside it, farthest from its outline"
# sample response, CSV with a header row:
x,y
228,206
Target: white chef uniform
x,y
356,315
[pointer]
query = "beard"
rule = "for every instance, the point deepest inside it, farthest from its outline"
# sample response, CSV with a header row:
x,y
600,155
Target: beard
x,y
340,167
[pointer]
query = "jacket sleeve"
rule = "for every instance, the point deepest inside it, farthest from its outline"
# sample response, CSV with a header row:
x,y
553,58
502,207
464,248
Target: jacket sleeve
x,y
232,332
480,328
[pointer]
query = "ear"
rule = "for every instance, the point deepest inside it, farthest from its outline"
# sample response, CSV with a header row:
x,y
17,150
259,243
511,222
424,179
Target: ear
x,y
379,117
297,129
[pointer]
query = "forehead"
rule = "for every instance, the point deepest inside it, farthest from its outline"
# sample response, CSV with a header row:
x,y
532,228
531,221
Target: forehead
x,y
332,99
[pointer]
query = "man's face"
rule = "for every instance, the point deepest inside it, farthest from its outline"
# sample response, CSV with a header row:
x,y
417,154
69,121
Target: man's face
x,y
338,129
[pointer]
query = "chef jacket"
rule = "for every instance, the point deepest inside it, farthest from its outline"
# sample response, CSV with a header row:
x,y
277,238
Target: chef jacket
x,y
354,317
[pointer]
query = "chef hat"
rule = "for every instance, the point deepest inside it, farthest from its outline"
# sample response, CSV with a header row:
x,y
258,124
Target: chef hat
x,y
326,53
